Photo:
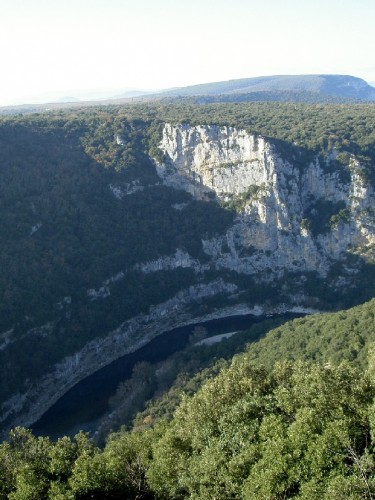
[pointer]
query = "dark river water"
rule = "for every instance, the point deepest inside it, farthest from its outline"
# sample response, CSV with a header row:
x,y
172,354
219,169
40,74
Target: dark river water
x,y
87,401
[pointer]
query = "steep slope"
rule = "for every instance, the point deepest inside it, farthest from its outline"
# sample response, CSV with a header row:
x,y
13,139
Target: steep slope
x,y
119,224
295,216
291,430
328,339
75,240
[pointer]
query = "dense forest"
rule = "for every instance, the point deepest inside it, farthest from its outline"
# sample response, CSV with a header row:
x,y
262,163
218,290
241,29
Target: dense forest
x,y
300,425
56,241
81,207
64,232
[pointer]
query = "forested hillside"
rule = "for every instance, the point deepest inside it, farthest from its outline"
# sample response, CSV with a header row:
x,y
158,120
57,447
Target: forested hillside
x,y
64,232
297,429
98,254
326,339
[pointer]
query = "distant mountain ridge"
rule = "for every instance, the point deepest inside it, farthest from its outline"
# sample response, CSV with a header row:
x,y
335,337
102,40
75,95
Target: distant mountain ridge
x,y
343,86
311,89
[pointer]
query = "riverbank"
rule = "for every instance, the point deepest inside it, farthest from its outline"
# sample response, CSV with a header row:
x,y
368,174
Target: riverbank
x,y
84,405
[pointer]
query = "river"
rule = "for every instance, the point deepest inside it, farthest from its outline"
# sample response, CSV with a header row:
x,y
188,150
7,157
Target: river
x,y
87,401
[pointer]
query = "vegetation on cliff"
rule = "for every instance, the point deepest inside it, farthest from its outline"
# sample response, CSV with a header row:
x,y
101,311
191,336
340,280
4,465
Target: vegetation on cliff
x,y
80,203
302,428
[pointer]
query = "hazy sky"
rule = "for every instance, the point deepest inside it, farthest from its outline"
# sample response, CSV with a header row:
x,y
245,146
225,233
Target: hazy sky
x,y
64,45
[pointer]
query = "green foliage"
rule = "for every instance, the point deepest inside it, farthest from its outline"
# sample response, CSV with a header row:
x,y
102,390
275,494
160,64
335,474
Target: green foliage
x,y
323,215
328,338
342,217
250,434
36,469
155,390
304,129
63,231
325,338
237,203
290,429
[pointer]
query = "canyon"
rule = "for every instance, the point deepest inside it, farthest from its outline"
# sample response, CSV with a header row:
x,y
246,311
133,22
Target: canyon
x,y
294,215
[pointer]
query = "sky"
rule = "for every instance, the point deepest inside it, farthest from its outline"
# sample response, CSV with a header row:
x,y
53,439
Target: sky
x,y
67,48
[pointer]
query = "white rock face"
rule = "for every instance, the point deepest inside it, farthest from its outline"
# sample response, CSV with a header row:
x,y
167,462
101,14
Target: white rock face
x,y
127,337
126,189
205,159
267,237
168,263
266,240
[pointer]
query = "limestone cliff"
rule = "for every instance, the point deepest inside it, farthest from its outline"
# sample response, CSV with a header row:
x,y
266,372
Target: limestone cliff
x,y
26,407
295,214
275,196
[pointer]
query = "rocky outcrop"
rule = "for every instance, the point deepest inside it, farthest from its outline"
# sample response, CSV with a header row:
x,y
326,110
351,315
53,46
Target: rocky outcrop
x,y
126,189
168,263
281,226
183,309
209,159
272,194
